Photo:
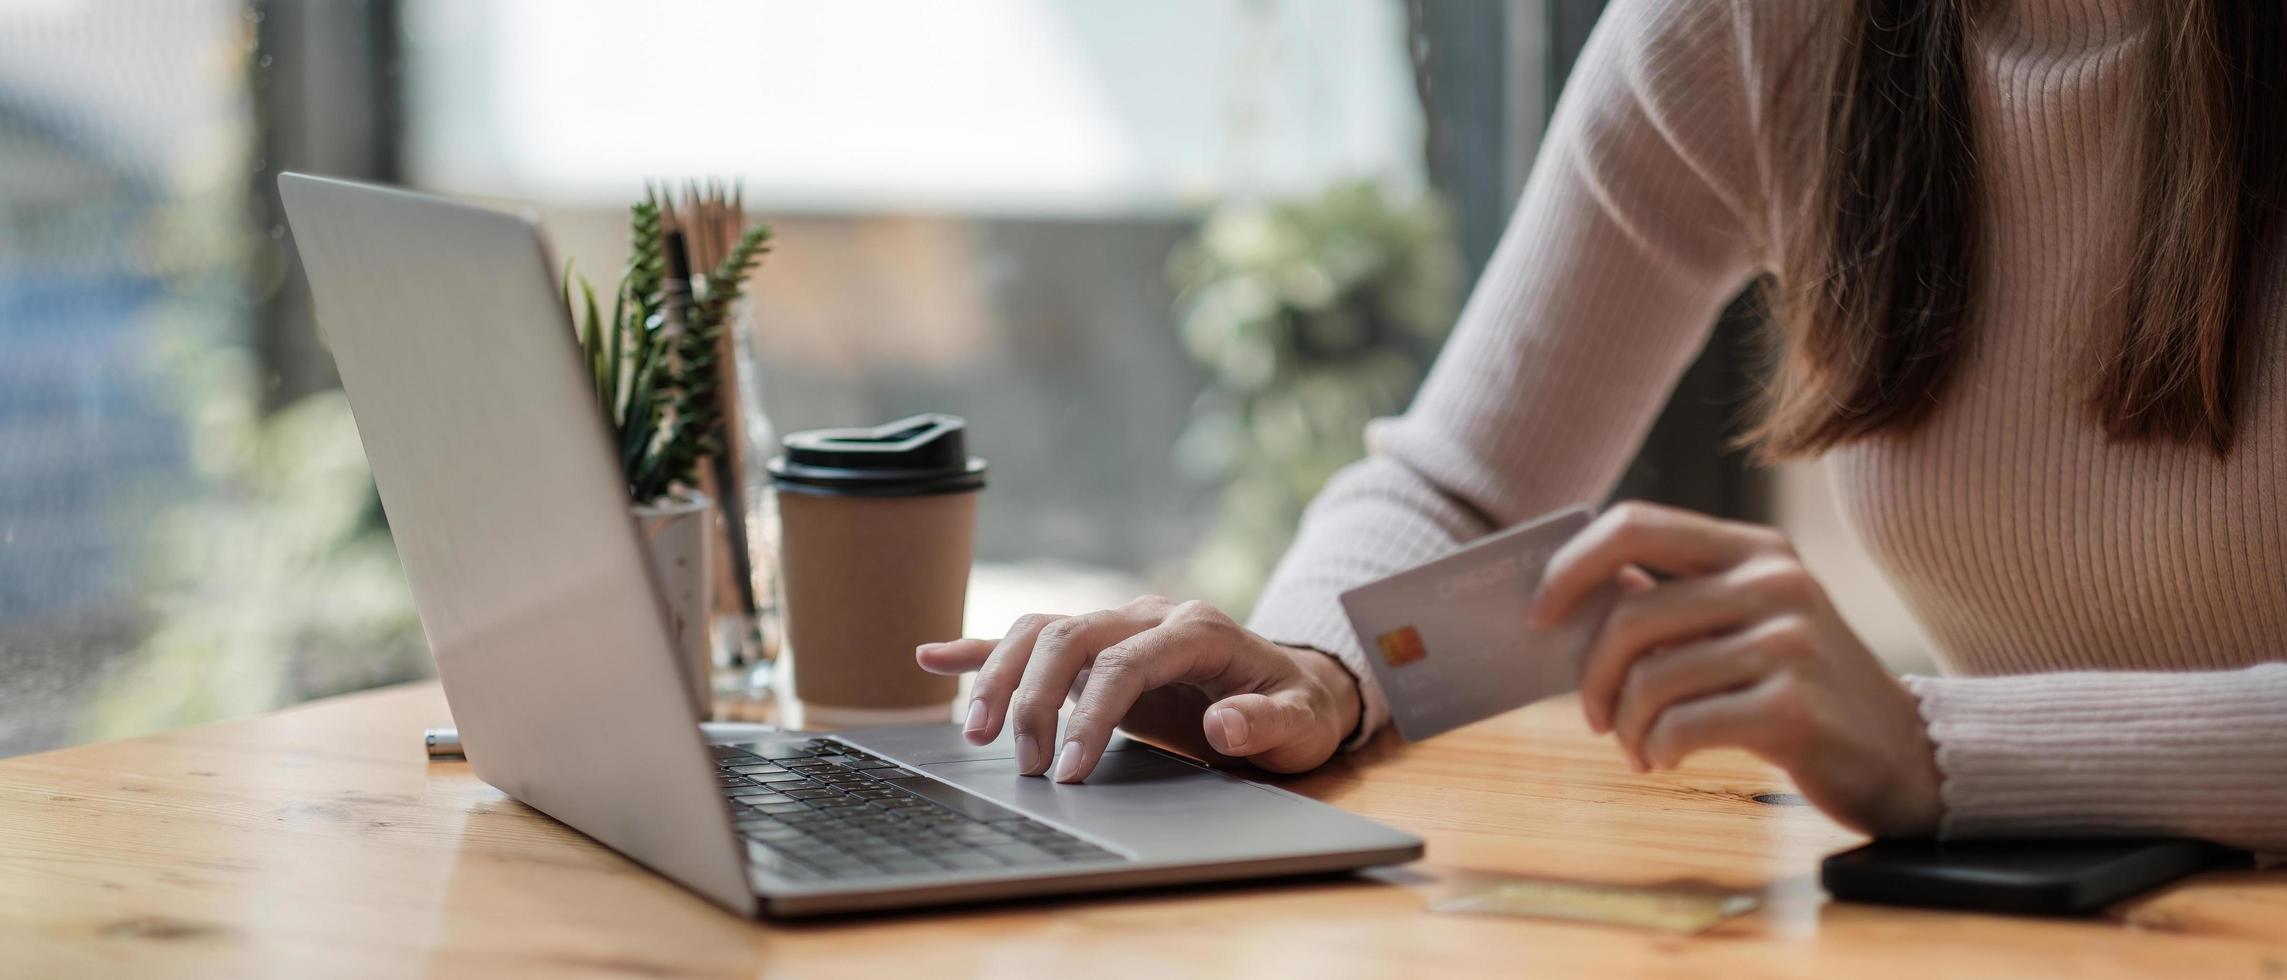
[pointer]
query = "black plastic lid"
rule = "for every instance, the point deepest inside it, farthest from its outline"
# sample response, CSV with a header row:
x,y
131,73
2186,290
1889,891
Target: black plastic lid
x,y
910,457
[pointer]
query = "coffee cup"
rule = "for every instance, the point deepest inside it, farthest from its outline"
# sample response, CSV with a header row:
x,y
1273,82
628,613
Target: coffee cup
x,y
877,529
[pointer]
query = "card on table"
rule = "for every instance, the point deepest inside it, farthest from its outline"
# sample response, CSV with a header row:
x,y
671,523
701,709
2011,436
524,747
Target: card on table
x,y
1676,909
1450,641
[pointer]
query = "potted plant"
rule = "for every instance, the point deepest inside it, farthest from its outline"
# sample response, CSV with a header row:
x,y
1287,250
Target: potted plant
x,y
656,362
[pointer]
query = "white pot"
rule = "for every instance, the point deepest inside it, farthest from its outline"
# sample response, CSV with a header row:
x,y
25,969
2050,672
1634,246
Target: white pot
x,y
679,532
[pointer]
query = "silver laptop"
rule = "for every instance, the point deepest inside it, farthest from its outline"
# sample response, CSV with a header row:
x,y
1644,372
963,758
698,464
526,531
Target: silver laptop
x,y
495,469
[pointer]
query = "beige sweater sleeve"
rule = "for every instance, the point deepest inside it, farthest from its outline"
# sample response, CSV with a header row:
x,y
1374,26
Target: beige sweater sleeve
x,y
2197,753
1631,236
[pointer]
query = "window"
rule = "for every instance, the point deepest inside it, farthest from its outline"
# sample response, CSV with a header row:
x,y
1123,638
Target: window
x,y
976,204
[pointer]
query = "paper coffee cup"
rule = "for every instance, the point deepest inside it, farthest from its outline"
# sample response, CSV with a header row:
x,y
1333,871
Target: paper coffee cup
x,y
877,529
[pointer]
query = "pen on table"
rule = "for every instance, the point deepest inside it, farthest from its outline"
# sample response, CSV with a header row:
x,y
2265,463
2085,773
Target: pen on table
x,y
445,743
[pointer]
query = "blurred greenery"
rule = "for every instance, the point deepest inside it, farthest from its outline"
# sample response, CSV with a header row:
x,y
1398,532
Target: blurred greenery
x,y
270,582
1313,316
265,568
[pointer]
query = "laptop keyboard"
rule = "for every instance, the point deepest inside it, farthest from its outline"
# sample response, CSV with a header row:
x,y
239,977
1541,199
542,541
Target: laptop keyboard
x,y
820,809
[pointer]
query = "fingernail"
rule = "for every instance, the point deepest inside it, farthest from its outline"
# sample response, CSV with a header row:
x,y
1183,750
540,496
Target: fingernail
x,y
1068,764
1234,729
1028,760
976,723
1636,764
926,647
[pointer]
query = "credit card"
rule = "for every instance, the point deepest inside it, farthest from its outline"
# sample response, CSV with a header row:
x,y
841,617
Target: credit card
x,y
1673,909
1450,640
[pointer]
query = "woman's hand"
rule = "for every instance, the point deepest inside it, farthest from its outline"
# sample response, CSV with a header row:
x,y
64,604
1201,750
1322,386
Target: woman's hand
x,y
1180,673
1740,647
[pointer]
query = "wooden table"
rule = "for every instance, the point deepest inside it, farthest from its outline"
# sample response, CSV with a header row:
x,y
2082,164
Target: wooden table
x,y
318,842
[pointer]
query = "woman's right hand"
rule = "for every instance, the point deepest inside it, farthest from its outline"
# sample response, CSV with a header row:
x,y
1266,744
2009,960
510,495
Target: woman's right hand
x,y
1183,674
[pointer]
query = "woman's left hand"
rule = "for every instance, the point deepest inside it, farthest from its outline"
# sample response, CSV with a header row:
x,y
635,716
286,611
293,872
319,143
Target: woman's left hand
x,y
1739,647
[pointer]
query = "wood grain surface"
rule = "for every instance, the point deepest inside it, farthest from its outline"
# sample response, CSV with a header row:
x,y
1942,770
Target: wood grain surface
x,y
319,842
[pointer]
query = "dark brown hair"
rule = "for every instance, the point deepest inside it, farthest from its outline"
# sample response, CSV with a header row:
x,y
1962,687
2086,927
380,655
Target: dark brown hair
x,y
1873,295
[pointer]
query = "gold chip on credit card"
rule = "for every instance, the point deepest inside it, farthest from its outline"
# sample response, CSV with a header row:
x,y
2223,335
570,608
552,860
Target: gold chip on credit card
x,y
1401,646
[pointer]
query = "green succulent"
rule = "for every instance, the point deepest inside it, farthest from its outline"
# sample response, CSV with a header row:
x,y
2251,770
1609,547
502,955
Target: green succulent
x,y
658,385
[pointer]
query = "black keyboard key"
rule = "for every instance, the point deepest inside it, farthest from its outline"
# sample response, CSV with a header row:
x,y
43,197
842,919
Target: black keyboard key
x,y
1073,850
964,860
832,864
809,792
741,792
806,846
959,801
758,769
907,866
890,773
1017,854
976,834
803,814
833,802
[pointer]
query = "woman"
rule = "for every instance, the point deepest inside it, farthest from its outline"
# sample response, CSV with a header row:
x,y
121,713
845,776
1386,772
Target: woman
x,y
2027,298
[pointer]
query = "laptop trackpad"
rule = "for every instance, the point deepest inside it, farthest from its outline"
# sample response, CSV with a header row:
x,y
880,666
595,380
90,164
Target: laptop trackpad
x,y
1150,802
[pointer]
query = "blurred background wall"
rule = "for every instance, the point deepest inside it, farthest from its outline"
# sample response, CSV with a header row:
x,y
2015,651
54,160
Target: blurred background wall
x,y
1028,212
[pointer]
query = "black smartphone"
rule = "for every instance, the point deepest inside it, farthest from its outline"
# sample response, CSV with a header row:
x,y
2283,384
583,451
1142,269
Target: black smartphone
x,y
2026,877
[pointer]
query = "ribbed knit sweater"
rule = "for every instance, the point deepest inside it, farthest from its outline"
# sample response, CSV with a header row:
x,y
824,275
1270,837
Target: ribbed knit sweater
x,y
2112,618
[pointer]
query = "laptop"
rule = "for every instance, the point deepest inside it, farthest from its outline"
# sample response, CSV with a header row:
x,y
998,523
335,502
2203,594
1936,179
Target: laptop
x,y
494,465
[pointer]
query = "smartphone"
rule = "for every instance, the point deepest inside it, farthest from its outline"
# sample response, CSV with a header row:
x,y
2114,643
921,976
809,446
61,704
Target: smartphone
x,y
2026,877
